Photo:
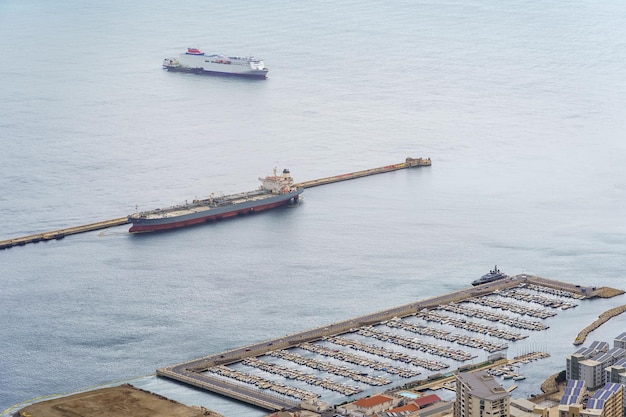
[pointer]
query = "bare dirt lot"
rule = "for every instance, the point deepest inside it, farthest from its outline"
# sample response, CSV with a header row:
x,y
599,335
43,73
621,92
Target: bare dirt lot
x,y
123,401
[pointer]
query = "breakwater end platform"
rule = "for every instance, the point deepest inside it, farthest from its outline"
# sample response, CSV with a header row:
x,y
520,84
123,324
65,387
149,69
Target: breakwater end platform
x,y
61,233
212,373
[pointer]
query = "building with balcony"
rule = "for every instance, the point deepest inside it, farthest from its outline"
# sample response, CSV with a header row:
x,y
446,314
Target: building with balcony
x,y
592,369
620,341
606,402
478,394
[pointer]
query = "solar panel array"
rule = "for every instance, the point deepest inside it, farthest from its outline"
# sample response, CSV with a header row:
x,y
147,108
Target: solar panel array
x,y
613,353
573,391
593,349
599,345
599,398
620,362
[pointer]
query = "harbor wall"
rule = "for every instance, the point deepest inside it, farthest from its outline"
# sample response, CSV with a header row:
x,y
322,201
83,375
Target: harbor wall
x,y
61,233
408,163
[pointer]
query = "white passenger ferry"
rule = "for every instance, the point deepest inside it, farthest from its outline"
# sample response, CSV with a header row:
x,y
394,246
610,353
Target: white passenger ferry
x,y
194,60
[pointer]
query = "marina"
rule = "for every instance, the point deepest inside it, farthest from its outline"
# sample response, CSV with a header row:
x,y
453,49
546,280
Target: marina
x,y
397,347
384,352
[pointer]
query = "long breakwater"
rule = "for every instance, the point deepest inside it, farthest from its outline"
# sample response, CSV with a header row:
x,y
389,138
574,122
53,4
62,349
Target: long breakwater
x,y
62,233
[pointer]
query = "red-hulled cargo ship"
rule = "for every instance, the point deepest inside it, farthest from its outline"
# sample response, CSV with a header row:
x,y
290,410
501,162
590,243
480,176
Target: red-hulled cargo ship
x,y
275,191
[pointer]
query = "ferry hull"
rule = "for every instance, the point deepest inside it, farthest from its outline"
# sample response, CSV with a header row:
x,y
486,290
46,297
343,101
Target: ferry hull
x,y
162,224
251,74
197,62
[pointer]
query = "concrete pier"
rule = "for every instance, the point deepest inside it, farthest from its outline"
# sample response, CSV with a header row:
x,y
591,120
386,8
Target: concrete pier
x,y
61,233
408,163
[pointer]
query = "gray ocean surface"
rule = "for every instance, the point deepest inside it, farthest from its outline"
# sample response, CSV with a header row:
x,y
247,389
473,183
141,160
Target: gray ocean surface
x,y
520,104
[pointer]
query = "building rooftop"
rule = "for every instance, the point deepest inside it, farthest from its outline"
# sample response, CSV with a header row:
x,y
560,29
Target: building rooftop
x,y
422,402
594,349
483,385
437,409
523,404
573,391
620,362
612,353
599,398
410,407
599,346
372,401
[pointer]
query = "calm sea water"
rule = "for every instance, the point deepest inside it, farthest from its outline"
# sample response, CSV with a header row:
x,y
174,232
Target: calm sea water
x,y
519,104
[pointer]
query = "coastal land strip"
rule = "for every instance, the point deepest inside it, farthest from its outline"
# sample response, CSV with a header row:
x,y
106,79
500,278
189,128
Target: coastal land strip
x,y
127,400
123,400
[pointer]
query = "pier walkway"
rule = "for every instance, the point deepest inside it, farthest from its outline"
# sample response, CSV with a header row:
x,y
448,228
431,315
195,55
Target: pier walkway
x,y
204,372
408,163
61,233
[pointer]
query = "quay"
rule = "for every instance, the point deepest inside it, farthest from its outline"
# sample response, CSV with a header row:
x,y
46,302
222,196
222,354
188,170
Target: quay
x,y
408,163
61,233
212,373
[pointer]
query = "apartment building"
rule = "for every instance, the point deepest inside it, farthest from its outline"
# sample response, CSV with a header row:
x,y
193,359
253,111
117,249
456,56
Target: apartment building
x,y
606,402
571,403
572,362
478,394
592,370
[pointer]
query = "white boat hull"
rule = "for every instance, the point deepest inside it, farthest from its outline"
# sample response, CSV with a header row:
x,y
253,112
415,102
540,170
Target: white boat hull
x,y
217,64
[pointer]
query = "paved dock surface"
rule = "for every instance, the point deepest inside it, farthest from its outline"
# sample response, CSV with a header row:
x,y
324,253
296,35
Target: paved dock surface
x,y
61,233
205,372
408,163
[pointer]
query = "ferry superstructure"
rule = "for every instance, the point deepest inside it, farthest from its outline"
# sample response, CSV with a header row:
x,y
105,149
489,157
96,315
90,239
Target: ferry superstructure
x,y
194,60
274,191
